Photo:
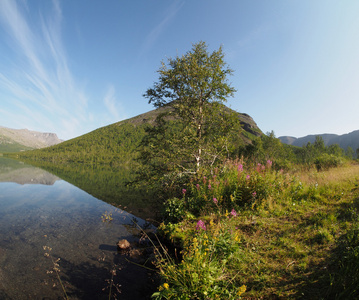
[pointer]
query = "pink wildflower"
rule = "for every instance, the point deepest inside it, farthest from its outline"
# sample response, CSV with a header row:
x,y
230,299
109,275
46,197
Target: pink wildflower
x,y
254,194
197,186
184,191
247,177
215,200
240,168
233,213
269,162
200,225
209,186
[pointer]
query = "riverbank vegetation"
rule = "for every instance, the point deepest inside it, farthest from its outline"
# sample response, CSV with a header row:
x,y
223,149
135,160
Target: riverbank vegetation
x,y
249,217
256,221
255,232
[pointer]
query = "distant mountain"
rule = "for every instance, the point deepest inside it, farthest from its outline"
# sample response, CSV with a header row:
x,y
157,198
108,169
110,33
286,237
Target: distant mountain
x,y
344,141
117,143
14,140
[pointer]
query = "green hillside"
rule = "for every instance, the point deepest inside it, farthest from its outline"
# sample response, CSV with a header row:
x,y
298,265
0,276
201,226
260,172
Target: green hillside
x,y
9,145
117,143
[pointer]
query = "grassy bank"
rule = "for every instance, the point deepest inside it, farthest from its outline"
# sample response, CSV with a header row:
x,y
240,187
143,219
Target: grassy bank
x,y
252,232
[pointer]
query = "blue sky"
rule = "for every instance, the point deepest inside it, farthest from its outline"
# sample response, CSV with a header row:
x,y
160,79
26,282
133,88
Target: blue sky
x,y
70,67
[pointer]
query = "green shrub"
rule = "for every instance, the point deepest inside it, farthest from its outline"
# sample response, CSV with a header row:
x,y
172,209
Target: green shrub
x,y
204,271
174,210
326,161
235,187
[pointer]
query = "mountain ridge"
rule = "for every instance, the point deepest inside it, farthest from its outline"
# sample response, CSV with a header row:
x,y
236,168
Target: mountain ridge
x,y
346,140
14,140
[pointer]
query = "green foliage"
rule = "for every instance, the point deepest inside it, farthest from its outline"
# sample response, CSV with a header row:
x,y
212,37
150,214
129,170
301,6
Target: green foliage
x,y
335,150
344,282
285,156
319,144
112,145
299,239
8,145
268,147
321,156
349,152
197,129
174,210
235,187
326,161
203,272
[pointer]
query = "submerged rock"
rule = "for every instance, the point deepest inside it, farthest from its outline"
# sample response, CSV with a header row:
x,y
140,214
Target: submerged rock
x,y
123,245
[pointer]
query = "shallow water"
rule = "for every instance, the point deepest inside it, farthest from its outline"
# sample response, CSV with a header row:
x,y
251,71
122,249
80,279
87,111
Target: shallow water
x,y
38,209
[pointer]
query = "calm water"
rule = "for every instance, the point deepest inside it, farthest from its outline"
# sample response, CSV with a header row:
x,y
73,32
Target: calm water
x,y
38,209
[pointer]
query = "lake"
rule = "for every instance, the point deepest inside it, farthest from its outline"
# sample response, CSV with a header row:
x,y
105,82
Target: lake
x,y
40,211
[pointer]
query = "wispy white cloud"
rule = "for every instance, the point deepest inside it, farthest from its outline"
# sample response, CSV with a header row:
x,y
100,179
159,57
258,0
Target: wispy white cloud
x,y
40,83
111,102
156,32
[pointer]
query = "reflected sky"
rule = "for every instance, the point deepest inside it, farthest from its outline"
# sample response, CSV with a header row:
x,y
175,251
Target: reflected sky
x,y
68,220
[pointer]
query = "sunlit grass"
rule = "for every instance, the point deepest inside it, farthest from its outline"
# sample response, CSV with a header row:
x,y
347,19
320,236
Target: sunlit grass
x,y
343,174
291,241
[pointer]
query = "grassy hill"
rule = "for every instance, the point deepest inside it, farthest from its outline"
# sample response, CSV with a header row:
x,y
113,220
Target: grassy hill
x,y
117,143
9,145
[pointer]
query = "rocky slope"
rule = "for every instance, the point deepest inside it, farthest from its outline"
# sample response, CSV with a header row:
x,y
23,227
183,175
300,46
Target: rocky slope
x,y
24,139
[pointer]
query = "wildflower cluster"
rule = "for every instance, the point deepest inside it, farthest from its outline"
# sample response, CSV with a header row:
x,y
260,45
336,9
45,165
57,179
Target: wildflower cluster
x,y
203,272
232,228
237,185
204,220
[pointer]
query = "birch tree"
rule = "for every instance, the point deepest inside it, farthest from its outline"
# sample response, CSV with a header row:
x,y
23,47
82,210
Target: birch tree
x,y
195,127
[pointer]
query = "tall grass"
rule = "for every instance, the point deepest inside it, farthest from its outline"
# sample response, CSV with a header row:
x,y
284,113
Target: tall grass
x,y
253,232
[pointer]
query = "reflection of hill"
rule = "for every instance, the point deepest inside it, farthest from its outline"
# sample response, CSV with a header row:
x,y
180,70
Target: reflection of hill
x,y
109,185
15,171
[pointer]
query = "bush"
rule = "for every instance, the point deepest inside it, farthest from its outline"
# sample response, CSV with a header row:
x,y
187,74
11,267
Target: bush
x,y
235,187
326,161
204,272
174,210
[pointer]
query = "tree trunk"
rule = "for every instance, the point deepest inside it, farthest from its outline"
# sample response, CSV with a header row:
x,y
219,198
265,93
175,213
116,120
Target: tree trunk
x,y
199,136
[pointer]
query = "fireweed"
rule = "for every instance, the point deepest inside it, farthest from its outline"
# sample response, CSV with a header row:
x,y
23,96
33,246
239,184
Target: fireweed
x,y
260,227
235,187
210,205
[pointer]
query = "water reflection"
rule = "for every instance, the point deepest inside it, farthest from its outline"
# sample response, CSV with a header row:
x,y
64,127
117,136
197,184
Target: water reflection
x,y
18,172
108,184
67,219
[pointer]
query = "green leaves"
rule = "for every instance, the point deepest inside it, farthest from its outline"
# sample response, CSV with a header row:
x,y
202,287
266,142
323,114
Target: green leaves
x,y
196,129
